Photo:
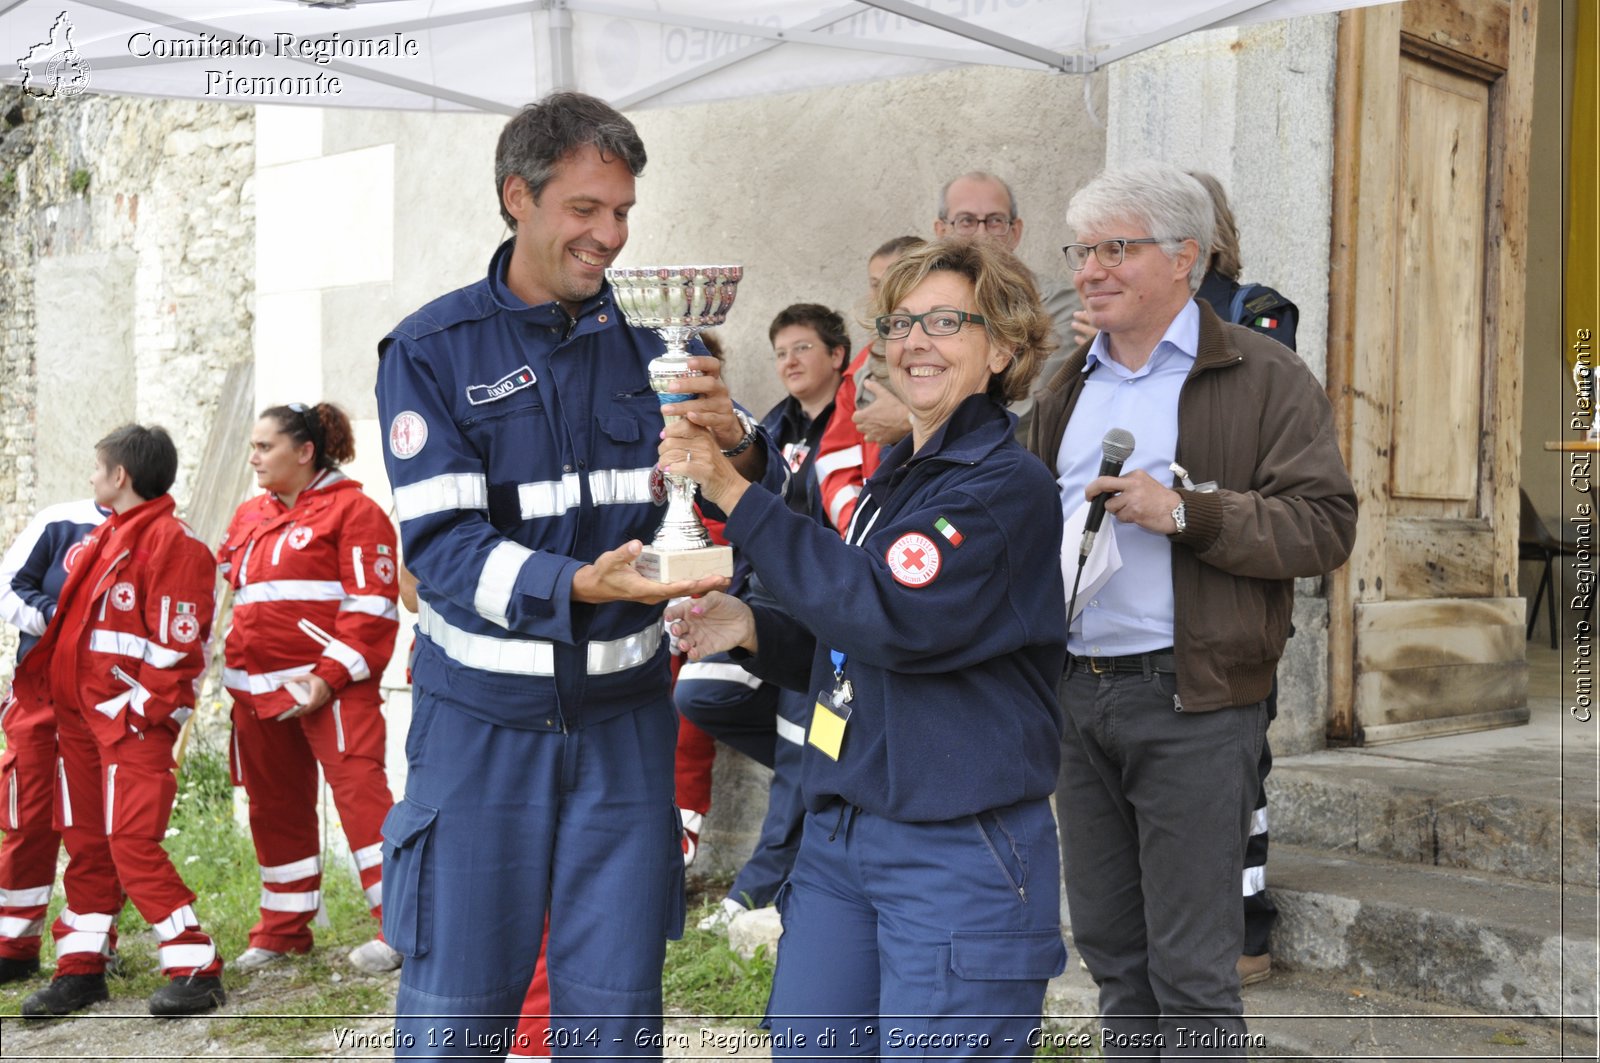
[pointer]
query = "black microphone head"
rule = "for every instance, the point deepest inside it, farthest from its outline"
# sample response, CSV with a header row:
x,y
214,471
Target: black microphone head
x,y
1117,445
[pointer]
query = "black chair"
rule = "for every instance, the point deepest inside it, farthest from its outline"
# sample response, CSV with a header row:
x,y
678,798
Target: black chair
x,y
1535,543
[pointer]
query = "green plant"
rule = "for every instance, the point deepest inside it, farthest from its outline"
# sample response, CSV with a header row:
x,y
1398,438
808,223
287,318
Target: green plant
x,y
705,978
8,181
79,181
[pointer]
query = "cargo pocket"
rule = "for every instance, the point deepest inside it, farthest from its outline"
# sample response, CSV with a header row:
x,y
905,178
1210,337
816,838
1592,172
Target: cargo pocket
x,y
408,878
1007,956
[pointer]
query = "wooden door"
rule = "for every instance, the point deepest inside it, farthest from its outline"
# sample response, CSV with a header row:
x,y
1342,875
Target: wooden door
x,y
1425,364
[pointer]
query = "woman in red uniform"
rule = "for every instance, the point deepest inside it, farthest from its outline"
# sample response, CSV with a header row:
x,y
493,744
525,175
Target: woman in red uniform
x,y
312,564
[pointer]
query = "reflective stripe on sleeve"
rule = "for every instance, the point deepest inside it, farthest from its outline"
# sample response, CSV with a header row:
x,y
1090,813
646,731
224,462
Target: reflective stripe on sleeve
x,y
1258,821
719,671
264,682
127,644
498,579
374,894
839,459
370,604
531,656
368,856
790,731
1255,880
461,490
289,590
353,662
841,498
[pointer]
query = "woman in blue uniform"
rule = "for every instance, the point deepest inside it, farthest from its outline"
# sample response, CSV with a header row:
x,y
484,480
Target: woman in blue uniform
x,y
923,913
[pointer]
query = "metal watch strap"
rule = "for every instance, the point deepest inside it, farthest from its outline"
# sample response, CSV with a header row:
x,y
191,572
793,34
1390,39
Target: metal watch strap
x,y
749,435
1180,517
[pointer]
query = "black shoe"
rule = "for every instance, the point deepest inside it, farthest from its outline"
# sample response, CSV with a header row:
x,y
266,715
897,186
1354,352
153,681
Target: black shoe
x,y
66,994
188,995
16,970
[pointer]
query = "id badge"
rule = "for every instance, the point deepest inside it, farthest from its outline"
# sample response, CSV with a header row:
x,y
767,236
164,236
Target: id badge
x,y
828,719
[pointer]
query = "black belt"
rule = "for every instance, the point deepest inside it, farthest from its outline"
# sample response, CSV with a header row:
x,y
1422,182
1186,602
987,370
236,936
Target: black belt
x,y
1143,663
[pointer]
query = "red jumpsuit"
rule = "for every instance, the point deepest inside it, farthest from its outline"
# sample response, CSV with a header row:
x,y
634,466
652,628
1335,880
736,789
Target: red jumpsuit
x,y
314,594
119,662
844,458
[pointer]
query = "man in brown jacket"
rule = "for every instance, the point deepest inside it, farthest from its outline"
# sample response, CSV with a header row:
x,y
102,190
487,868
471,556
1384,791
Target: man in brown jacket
x,y
1170,661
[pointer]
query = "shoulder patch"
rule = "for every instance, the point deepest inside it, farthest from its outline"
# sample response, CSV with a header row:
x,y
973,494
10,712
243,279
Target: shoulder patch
x,y
913,560
123,597
1265,300
407,433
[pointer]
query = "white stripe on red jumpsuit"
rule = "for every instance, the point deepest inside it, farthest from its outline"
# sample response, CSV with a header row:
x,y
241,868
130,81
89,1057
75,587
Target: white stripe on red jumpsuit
x,y
121,671
325,569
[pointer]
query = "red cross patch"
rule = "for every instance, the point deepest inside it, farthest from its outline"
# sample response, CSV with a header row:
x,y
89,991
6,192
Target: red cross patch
x,y
300,537
913,560
122,596
185,627
407,433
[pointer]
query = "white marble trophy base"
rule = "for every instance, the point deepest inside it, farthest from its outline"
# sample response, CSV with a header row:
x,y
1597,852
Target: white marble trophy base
x,y
670,566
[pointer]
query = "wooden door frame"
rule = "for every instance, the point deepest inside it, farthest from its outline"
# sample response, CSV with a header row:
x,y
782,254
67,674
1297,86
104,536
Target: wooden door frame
x,y
1490,39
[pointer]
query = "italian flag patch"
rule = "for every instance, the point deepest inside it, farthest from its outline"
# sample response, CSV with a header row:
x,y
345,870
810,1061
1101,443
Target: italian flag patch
x,y
1266,322
948,530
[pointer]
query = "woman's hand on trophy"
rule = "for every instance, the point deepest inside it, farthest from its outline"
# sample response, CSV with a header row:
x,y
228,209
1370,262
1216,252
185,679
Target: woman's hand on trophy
x,y
689,450
711,406
612,578
716,623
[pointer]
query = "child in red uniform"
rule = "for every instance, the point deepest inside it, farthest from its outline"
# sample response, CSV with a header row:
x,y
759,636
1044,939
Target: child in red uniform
x,y
119,663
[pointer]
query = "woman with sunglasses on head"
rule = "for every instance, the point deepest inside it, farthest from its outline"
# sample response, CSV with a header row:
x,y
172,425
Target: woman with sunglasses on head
x,y
312,565
923,912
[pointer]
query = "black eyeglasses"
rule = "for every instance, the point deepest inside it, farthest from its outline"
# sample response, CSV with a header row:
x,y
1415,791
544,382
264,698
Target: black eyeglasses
x,y
1109,253
967,224
934,323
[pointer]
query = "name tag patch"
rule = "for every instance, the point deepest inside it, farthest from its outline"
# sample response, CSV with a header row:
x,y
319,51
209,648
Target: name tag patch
x,y
516,380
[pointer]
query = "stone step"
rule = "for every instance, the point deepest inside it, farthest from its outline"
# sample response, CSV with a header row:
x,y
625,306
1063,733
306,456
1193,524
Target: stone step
x,y
1476,802
1302,1014
1487,943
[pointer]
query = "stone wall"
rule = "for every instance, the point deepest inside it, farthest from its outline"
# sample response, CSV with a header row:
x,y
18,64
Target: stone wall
x,y
126,282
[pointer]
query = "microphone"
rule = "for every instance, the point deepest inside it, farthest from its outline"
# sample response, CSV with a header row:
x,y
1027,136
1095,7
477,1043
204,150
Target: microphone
x,y
1114,450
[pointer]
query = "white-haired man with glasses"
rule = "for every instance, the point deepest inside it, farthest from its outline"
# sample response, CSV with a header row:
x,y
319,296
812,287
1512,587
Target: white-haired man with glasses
x,y
981,204
1170,662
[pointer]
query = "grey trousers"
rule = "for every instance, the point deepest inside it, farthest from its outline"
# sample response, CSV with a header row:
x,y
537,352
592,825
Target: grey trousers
x,y
1154,807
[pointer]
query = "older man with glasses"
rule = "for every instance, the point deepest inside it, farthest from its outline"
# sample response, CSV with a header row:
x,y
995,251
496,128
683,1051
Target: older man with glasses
x,y
981,204
1171,660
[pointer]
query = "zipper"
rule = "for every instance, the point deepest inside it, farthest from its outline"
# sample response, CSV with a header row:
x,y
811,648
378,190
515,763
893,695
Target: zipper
x,y
338,726
111,794
355,563
66,794
166,612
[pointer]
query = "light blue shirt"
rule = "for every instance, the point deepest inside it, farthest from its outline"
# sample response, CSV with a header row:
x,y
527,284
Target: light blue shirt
x,y
1133,612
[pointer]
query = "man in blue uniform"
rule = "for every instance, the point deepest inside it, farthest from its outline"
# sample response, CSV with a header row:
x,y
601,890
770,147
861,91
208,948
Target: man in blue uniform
x,y
522,436
31,576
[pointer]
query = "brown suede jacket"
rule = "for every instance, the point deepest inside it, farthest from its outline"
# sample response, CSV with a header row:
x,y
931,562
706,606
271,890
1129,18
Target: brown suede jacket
x,y
1252,418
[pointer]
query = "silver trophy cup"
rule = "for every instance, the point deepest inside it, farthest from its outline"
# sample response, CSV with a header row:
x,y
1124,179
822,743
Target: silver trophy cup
x,y
675,302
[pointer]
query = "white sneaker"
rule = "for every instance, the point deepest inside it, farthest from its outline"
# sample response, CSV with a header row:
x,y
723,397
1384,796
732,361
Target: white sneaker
x,y
253,959
722,916
376,957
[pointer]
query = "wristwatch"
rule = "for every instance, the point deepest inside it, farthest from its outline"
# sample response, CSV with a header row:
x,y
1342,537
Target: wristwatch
x,y
749,435
1180,517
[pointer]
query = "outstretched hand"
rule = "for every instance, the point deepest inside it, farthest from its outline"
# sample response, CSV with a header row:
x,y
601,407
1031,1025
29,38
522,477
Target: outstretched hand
x,y
716,623
612,578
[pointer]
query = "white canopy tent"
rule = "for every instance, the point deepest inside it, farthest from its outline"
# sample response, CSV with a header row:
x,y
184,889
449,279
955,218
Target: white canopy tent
x,y
495,55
